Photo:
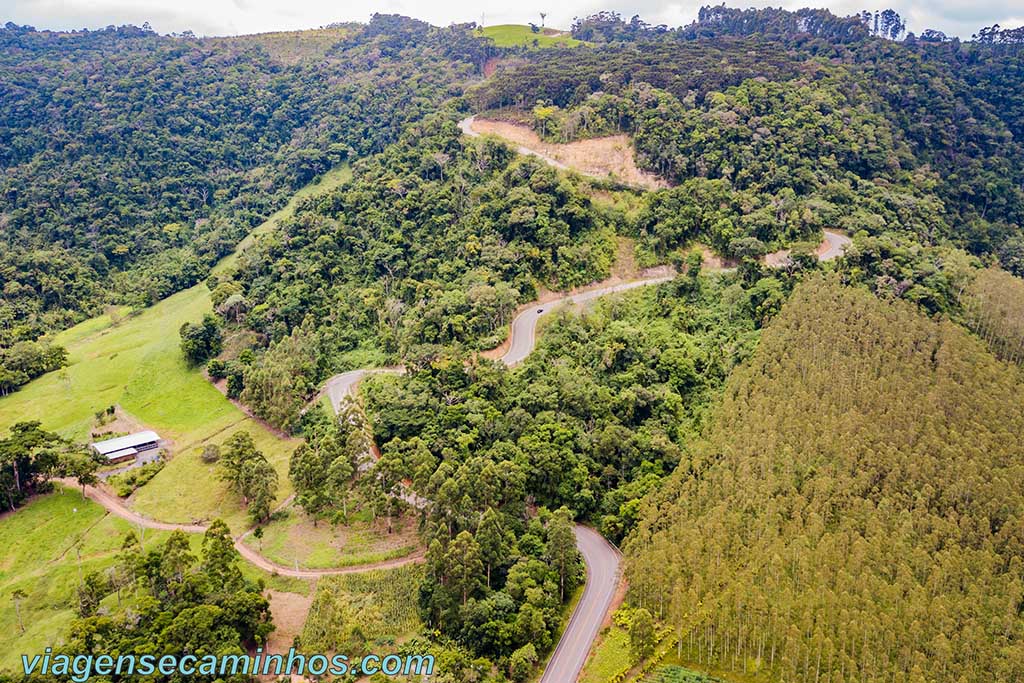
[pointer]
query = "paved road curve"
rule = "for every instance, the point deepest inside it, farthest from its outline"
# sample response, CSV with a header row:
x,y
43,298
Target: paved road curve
x,y
524,326
602,561
345,384
837,244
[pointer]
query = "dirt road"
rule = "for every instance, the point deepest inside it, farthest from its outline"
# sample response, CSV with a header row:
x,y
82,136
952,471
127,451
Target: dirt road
x,y
114,506
466,126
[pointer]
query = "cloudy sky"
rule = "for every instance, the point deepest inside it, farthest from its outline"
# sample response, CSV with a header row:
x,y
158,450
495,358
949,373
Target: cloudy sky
x,y
222,17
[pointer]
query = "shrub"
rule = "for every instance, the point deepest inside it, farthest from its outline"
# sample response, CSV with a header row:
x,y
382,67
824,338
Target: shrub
x,y
216,368
126,483
210,454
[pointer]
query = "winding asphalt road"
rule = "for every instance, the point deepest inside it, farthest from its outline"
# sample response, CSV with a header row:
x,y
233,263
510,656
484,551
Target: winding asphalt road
x,y
837,245
602,560
345,384
524,326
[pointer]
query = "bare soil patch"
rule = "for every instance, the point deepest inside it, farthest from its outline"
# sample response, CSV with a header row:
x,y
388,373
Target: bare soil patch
x,y
713,261
123,423
289,611
607,157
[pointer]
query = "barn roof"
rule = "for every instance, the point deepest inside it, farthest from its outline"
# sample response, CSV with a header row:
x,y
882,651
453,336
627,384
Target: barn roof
x,y
123,442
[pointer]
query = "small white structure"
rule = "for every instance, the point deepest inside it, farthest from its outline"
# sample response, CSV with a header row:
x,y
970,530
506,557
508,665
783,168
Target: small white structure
x,y
125,448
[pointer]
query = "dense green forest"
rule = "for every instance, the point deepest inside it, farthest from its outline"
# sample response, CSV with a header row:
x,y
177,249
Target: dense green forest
x,y
853,513
604,409
132,161
824,124
433,244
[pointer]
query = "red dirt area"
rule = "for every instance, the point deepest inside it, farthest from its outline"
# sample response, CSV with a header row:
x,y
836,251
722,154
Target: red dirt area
x,y
607,157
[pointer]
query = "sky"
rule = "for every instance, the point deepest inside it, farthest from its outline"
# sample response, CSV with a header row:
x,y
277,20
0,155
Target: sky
x,y
230,17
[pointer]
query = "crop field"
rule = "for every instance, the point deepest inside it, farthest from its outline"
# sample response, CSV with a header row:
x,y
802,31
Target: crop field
x,y
355,610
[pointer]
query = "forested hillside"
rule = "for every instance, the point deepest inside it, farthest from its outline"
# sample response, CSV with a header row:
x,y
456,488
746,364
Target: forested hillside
x,y
855,510
798,120
132,161
433,244
811,460
604,409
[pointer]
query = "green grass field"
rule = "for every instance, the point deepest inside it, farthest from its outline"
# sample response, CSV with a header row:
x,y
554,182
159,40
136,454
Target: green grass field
x,y
520,35
47,545
293,540
42,544
609,658
137,364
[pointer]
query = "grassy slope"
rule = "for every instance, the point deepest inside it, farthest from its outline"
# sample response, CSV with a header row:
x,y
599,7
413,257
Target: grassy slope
x,y
517,35
293,540
292,47
138,365
39,558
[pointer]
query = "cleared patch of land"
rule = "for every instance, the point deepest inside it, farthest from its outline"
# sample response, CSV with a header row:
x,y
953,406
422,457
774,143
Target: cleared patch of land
x,y
521,35
294,540
288,611
607,158
293,47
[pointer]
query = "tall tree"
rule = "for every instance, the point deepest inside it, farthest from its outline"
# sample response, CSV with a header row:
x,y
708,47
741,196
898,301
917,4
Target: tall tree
x,y
464,565
561,548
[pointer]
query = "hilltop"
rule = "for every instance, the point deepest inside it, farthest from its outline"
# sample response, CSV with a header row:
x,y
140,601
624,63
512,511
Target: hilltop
x,y
520,35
